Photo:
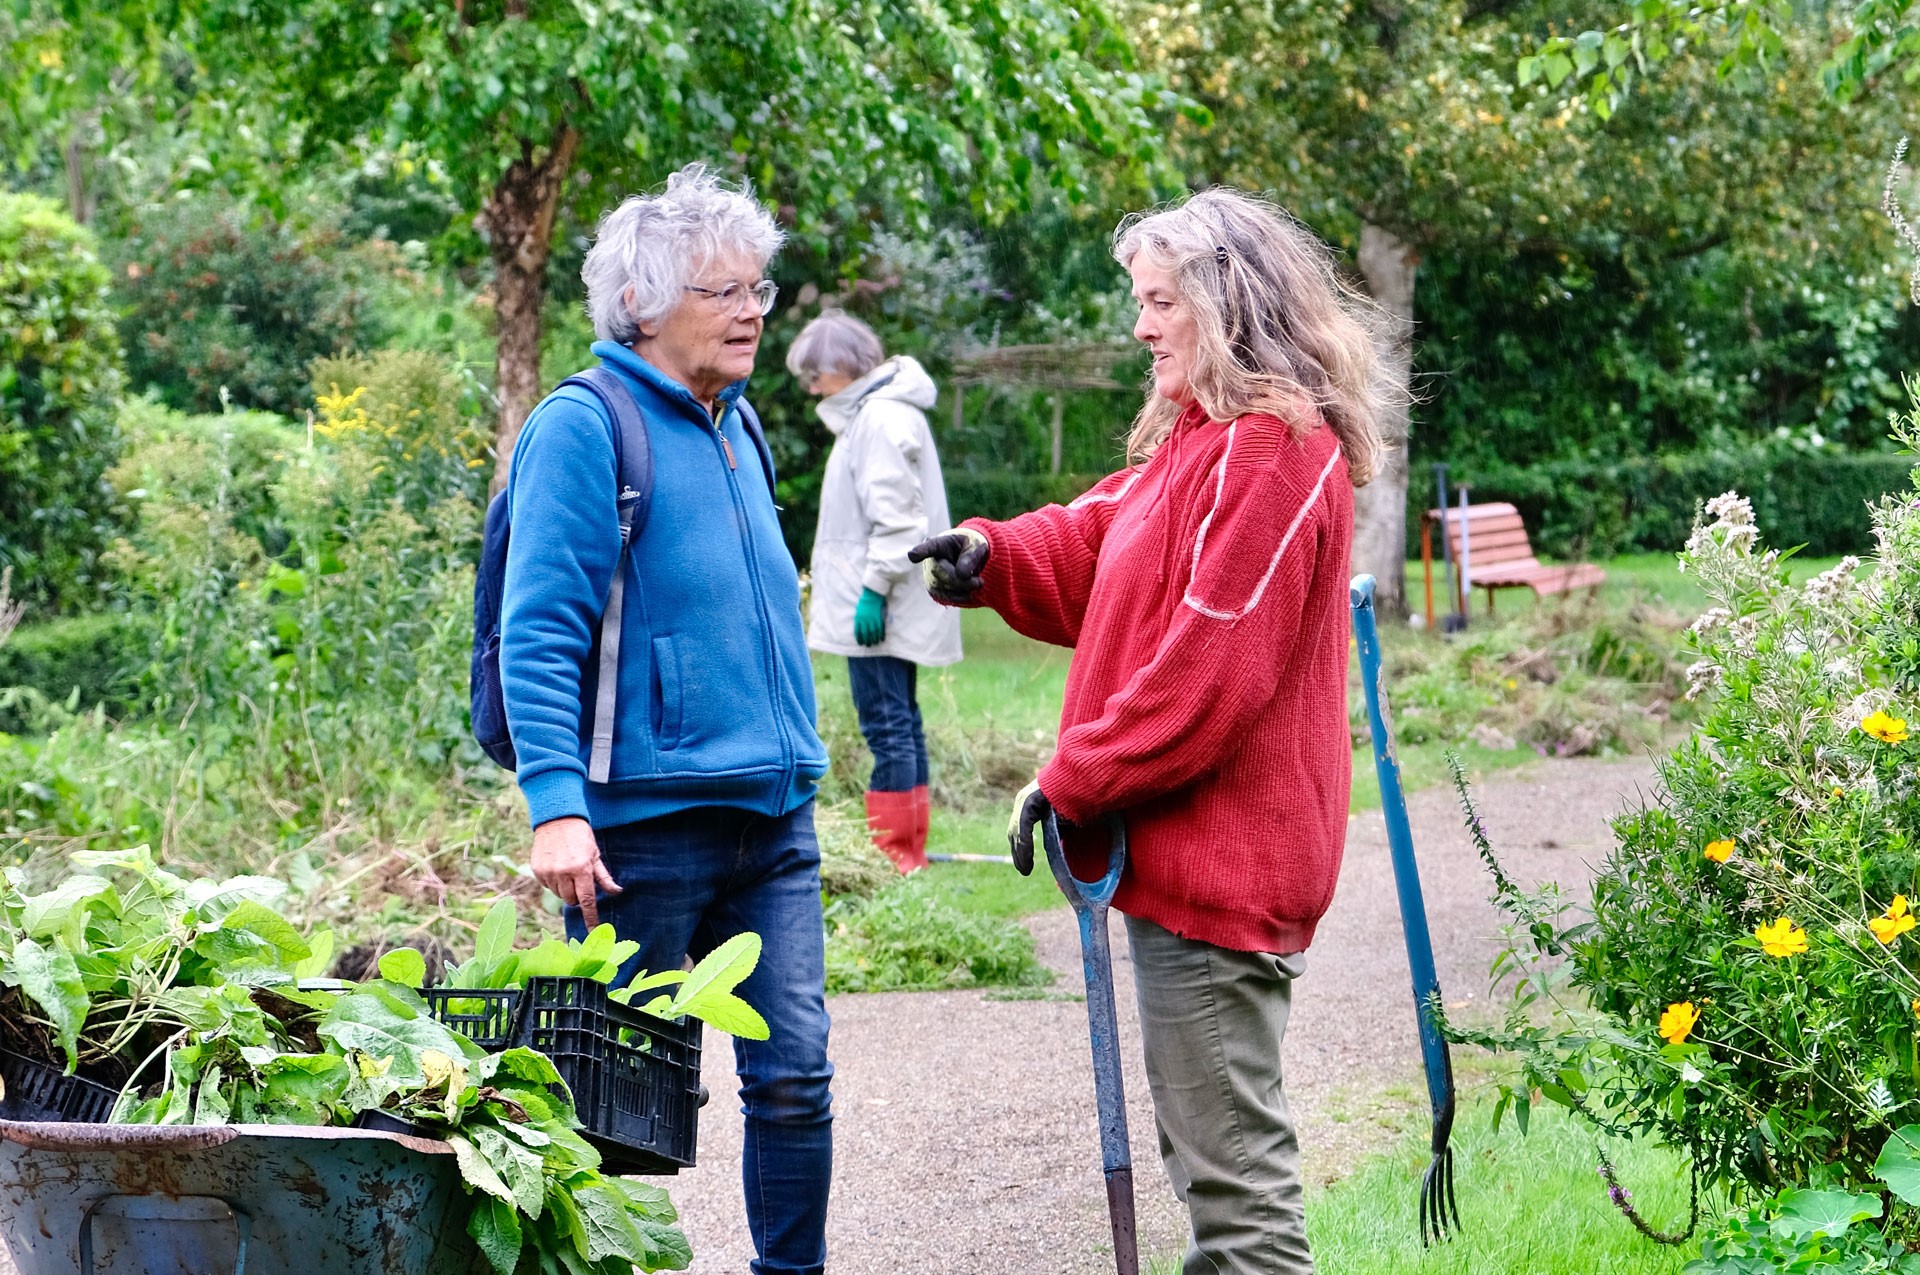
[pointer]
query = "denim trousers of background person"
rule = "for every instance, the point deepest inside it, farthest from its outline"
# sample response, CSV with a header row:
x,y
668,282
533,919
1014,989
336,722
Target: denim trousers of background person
x,y
1212,1020
688,882
885,695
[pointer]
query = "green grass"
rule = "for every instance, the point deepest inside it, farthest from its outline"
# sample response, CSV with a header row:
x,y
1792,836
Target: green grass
x,y
1531,1205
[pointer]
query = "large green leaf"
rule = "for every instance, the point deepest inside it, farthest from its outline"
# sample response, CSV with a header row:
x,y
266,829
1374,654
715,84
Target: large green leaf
x,y
610,1230
1899,1163
50,978
1806,1213
371,1024
404,966
708,995
478,1170
495,1227
45,915
272,929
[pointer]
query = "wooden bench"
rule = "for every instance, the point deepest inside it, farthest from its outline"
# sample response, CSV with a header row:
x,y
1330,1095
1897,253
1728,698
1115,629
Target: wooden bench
x,y
1499,557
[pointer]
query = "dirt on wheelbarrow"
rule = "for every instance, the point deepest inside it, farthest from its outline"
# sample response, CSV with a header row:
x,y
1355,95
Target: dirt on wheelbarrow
x,y
965,1139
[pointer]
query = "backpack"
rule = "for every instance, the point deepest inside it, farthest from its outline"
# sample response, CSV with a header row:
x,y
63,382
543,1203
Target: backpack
x,y
633,463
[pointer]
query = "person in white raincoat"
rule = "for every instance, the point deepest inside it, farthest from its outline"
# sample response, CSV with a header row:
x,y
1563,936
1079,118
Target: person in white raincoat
x,y
882,494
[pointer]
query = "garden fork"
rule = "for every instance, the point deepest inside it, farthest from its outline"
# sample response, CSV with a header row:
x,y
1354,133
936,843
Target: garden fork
x,y
1439,1208
1089,900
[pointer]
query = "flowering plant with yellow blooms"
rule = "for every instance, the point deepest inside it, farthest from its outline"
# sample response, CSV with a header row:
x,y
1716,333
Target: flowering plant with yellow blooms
x,y
1744,984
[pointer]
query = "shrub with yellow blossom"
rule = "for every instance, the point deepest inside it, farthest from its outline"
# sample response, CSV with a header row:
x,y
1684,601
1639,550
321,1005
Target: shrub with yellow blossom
x,y
1744,983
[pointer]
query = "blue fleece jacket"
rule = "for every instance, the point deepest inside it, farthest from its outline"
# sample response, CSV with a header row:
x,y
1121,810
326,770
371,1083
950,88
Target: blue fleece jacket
x,y
715,702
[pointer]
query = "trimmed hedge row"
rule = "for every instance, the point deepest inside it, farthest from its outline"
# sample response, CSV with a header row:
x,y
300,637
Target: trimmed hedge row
x,y
1003,494
100,655
1582,509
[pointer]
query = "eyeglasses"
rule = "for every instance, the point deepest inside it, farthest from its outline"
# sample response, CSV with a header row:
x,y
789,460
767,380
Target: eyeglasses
x,y
733,298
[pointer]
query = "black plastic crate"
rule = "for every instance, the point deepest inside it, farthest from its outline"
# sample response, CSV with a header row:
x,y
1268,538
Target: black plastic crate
x,y
37,1092
635,1078
487,1018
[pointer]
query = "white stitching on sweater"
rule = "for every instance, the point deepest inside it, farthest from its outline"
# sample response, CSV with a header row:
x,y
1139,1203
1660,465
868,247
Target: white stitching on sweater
x,y
1111,497
1200,540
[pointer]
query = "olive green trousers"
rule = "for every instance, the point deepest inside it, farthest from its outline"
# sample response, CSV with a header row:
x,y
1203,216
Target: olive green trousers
x,y
1212,1021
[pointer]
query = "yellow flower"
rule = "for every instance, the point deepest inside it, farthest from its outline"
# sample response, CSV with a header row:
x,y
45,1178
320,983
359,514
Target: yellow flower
x,y
1720,851
1782,938
1897,920
1838,791
1885,728
1677,1023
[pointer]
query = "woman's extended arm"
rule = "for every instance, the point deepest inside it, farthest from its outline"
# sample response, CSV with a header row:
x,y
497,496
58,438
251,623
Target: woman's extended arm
x,y
1039,571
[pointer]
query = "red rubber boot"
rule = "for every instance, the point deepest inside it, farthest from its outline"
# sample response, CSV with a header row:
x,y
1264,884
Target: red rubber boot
x,y
891,819
922,820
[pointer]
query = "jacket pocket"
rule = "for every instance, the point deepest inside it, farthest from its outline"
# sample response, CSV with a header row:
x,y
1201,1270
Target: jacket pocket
x,y
667,693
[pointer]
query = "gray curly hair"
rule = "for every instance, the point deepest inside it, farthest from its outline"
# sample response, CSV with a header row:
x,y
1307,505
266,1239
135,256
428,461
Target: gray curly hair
x,y
1280,330
647,249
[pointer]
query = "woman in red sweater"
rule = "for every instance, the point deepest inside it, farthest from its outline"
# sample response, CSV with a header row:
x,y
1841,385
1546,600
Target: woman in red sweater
x,y
1204,591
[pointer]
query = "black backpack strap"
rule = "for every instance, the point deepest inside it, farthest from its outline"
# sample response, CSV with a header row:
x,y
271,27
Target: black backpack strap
x,y
750,419
633,461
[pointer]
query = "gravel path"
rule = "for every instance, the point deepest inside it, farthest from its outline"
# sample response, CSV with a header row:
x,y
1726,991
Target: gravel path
x,y
965,1133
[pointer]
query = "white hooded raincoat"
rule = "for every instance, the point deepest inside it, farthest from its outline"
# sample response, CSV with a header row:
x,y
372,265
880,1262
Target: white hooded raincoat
x,y
881,495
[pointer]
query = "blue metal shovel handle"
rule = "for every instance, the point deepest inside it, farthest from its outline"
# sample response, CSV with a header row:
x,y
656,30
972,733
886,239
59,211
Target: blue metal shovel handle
x,y
1090,900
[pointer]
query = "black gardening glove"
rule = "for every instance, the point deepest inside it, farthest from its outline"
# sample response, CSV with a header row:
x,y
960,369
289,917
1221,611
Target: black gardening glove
x,y
1030,808
951,564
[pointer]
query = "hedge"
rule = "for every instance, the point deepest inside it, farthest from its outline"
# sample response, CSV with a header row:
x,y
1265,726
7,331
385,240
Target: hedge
x,y
1001,494
1647,504
100,655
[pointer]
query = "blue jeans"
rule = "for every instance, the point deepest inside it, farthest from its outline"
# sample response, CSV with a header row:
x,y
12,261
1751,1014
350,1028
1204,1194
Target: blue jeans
x,y
884,691
688,882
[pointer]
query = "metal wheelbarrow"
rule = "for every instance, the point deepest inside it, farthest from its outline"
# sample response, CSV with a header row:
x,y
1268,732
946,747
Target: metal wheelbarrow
x,y
95,1199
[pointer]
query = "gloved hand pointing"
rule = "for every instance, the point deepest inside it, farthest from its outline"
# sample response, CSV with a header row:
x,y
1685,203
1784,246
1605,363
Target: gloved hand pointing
x,y
952,564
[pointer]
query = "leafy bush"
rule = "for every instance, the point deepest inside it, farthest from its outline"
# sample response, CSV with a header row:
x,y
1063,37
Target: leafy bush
x,y
1813,498
59,377
906,939
308,662
219,299
1830,1232
1752,983
92,660
1000,495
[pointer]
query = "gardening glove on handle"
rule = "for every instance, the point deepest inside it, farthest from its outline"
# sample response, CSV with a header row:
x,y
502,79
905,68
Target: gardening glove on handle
x,y
1029,808
870,618
952,563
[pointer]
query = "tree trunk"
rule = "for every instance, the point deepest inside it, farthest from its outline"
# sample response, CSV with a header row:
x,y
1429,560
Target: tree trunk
x,y
518,223
1380,508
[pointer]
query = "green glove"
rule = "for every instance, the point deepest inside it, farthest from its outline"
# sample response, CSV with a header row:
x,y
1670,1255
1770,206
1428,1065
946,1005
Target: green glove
x,y
870,618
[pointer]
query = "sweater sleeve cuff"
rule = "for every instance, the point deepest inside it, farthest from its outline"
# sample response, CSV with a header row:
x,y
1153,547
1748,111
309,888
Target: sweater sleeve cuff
x,y
555,794
1056,785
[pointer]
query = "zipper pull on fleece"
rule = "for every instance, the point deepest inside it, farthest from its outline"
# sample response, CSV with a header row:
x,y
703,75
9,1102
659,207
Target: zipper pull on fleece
x,y
726,447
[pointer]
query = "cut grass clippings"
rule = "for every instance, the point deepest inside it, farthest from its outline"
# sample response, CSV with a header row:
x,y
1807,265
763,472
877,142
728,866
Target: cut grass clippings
x,y
909,938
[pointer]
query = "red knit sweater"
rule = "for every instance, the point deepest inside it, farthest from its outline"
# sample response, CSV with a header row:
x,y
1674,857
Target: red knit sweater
x,y
1205,596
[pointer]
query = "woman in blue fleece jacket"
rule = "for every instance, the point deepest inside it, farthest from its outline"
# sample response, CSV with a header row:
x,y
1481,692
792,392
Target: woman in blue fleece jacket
x,y
703,827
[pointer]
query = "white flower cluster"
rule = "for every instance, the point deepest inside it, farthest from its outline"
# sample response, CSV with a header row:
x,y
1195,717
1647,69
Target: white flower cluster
x,y
1732,525
1703,676
1708,622
1832,584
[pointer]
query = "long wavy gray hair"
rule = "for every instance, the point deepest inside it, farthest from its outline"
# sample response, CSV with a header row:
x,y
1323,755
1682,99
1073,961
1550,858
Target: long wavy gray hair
x,y
1281,331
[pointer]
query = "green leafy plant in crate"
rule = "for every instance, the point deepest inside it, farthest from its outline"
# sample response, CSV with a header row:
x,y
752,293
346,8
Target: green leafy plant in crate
x,y
192,997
